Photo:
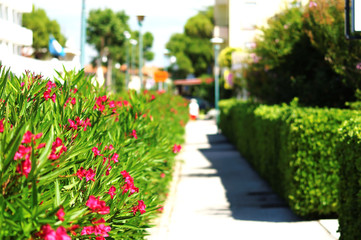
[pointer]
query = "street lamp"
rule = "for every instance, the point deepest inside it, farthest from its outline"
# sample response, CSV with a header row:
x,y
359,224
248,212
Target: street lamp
x,y
216,41
82,37
127,37
133,42
140,23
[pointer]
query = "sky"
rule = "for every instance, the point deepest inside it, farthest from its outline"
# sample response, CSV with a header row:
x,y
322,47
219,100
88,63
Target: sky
x,y
162,19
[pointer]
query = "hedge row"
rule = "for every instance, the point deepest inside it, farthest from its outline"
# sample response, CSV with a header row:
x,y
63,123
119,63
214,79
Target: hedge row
x,y
76,161
293,148
349,154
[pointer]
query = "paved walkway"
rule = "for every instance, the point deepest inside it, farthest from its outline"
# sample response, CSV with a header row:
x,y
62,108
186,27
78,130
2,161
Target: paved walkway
x,y
216,195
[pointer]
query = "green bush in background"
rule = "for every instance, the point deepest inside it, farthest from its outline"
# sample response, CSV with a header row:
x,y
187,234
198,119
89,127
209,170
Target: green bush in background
x,y
293,148
303,53
75,161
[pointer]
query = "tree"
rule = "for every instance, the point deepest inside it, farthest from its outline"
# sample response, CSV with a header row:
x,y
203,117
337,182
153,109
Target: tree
x,y
193,48
105,31
148,39
42,28
303,53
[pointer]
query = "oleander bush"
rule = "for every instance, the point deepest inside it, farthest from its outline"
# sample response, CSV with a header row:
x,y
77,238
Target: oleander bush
x,y
78,162
293,148
349,154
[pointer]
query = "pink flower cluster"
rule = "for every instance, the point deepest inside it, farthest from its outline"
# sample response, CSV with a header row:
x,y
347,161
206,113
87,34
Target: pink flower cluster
x,y
177,148
140,207
99,104
97,205
134,134
24,152
47,233
79,123
312,4
60,214
57,149
47,93
88,174
71,100
111,191
129,183
99,229
2,125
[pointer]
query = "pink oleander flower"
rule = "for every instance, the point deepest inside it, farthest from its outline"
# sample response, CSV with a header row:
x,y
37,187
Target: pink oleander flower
x,y
73,101
57,149
23,152
2,125
24,167
27,137
358,66
102,230
312,4
53,97
89,175
72,124
60,214
87,230
96,151
47,233
99,238
41,145
81,173
134,134
111,192
112,104
97,205
115,157
152,98
140,207
129,184
177,148
162,175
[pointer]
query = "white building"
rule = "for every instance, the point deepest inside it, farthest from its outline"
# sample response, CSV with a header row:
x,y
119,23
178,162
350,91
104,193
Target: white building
x,y
12,35
14,39
237,20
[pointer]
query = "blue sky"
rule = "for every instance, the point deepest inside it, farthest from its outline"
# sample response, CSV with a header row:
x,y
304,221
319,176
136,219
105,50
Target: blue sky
x,y
163,18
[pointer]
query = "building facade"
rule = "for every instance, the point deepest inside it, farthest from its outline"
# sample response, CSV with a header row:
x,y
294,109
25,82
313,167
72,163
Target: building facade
x,y
237,21
13,37
16,43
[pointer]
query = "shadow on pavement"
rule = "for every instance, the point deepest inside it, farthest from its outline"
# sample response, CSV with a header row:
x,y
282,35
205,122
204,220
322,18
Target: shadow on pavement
x,y
250,197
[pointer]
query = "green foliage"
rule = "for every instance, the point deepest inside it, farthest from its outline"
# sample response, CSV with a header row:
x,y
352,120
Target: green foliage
x,y
349,152
105,31
292,147
42,28
148,39
303,53
193,48
141,128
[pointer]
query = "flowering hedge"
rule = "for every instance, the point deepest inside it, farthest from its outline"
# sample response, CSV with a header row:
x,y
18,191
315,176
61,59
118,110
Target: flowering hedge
x,y
75,161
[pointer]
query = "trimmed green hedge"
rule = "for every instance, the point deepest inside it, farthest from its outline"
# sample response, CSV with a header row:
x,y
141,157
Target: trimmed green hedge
x,y
293,148
349,153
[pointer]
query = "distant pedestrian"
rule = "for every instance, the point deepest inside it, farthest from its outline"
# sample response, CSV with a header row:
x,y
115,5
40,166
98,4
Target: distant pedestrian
x,y
193,109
